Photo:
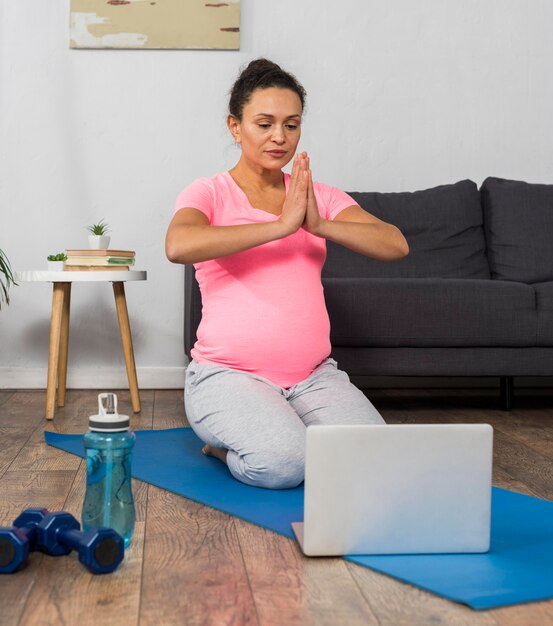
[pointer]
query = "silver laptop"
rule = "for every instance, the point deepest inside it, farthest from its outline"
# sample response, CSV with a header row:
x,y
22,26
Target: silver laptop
x,y
397,489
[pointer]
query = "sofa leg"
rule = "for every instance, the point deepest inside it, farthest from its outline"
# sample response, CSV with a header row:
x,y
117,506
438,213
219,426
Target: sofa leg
x,y
507,390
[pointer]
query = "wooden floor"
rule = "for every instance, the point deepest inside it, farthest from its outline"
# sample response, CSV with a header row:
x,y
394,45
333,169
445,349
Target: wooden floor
x,y
190,564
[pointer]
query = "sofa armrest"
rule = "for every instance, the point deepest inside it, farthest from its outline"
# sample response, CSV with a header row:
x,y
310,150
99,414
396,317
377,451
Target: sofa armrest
x,y
192,308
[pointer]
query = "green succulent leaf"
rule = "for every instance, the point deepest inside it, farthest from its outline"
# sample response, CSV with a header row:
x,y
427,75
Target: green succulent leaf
x,y
101,228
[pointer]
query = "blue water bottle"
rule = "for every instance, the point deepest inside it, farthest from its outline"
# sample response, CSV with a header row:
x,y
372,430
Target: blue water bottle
x,y
108,500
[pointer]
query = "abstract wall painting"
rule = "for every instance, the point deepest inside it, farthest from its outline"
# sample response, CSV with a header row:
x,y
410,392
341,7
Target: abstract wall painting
x,y
155,24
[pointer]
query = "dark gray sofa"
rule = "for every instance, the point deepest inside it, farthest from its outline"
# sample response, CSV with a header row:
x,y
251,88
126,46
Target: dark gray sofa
x,y
473,298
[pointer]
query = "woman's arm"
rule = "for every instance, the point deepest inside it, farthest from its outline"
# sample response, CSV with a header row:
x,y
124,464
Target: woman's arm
x,y
365,234
356,229
191,239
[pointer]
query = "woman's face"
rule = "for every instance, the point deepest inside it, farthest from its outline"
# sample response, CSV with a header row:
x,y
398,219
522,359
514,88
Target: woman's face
x,y
270,128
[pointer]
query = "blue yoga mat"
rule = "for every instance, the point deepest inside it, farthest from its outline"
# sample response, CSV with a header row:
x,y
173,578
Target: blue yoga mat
x,y
518,568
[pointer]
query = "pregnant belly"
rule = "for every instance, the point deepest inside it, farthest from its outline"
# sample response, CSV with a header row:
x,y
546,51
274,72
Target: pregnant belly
x,y
265,337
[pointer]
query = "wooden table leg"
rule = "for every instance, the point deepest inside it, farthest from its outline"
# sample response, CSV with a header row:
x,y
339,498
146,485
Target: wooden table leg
x,y
53,354
125,330
64,344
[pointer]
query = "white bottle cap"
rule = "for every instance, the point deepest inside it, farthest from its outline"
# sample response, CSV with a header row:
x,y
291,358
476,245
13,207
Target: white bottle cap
x,y
108,420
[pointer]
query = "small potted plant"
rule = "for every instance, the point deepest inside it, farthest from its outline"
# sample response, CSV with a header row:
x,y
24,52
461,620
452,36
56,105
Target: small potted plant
x,y
56,262
98,240
6,279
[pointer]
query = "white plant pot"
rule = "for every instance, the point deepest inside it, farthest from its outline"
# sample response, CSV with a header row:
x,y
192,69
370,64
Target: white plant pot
x,y
98,242
56,266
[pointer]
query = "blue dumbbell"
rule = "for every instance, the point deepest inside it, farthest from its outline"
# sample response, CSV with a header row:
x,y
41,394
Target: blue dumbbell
x,y
16,542
100,551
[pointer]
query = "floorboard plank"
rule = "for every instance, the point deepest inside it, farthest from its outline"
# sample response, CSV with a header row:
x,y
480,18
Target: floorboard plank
x,y
195,569
13,440
169,409
532,614
23,409
21,490
501,478
37,455
15,590
291,589
524,464
533,428
5,395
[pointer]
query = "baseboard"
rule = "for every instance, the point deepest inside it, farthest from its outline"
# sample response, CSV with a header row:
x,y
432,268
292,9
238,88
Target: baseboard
x,y
94,378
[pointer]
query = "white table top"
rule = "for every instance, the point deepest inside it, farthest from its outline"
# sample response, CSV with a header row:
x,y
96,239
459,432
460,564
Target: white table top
x,y
80,277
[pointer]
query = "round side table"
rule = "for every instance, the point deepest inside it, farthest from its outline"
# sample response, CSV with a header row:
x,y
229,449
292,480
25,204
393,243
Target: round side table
x,y
59,325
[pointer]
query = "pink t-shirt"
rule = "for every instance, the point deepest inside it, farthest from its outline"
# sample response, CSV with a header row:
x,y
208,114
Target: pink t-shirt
x,y
263,309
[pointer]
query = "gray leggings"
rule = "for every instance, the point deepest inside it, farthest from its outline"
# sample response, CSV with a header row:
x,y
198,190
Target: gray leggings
x,y
263,425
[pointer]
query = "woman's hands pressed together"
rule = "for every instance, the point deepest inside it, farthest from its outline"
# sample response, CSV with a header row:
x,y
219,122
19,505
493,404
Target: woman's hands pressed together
x,y
295,204
300,207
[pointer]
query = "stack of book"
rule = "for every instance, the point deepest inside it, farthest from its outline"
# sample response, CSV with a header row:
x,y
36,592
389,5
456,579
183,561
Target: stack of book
x,y
99,260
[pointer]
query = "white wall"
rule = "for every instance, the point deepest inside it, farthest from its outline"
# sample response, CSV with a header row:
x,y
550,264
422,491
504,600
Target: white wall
x,y
402,95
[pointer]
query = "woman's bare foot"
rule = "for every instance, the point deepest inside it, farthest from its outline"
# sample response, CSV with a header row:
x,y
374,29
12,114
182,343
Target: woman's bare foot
x,y
218,453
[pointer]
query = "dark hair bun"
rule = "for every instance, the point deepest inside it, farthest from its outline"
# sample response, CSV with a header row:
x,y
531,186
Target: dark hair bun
x,y
260,65
261,74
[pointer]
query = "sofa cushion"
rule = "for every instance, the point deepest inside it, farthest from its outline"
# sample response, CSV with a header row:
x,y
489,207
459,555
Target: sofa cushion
x,y
544,303
442,225
427,312
518,223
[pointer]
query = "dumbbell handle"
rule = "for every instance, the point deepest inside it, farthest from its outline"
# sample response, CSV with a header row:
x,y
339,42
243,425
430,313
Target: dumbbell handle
x,y
31,518
69,537
29,532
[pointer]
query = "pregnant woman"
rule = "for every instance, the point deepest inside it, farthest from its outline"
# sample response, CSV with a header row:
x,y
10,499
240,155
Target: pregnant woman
x,y
261,371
